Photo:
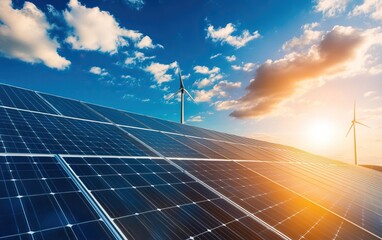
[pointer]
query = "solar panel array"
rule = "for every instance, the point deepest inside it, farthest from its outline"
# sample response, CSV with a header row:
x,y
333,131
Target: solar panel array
x,y
74,170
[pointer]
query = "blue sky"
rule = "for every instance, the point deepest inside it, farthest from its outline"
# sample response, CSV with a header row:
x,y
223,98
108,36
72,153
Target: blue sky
x,y
284,71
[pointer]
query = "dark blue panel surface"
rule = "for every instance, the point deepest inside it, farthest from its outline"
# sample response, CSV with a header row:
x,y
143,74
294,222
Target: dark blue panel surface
x,y
39,201
24,99
286,211
165,145
25,132
71,108
116,116
152,199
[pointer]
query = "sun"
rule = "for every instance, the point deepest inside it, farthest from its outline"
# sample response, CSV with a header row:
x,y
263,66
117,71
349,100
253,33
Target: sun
x,y
321,133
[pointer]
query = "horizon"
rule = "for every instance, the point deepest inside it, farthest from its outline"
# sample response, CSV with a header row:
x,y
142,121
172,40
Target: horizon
x,y
273,72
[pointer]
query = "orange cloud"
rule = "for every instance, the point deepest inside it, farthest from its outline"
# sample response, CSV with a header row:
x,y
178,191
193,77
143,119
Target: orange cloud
x,y
278,80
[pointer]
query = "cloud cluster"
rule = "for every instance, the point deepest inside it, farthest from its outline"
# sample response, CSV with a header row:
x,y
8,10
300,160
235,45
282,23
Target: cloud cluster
x,y
219,90
225,35
371,7
98,71
276,81
138,57
215,55
18,40
94,29
137,4
160,71
231,58
213,75
331,7
197,118
309,37
246,67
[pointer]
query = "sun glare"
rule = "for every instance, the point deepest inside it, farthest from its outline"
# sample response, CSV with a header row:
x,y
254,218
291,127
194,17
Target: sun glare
x,y
321,133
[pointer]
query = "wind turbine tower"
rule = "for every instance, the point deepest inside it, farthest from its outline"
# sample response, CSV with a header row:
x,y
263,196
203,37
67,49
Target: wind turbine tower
x,y
353,125
182,90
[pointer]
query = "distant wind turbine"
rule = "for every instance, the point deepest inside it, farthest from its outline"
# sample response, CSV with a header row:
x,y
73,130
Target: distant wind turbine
x,y
353,124
181,90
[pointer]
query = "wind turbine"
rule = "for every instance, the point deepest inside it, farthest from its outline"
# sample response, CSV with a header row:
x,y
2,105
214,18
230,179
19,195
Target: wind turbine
x,y
181,90
353,124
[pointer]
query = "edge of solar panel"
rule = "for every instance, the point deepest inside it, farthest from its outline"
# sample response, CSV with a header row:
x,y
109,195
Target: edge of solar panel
x,y
243,140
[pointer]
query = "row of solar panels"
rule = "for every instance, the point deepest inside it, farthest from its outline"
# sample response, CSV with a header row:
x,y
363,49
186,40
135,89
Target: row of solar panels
x,y
40,102
154,199
31,132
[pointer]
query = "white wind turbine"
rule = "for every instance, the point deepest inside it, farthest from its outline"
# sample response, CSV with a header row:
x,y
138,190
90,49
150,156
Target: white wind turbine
x,y
181,90
353,124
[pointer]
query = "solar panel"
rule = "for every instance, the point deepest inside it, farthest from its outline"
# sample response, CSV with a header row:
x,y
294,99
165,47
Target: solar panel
x,y
103,173
36,201
350,192
152,199
288,212
26,132
72,108
24,99
167,146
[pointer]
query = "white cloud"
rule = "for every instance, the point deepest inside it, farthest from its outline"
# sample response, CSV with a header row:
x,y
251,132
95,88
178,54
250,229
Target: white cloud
x,y
53,11
146,42
205,70
215,56
371,7
224,35
230,58
94,29
330,8
340,53
214,75
369,94
225,105
246,67
309,37
137,4
195,119
98,71
219,90
236,67
159,71
24,35
126,77
138,57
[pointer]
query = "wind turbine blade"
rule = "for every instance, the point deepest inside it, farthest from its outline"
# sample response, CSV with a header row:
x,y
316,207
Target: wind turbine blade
x,y
349,129
189,95
180,76
354,111
172,95
362,124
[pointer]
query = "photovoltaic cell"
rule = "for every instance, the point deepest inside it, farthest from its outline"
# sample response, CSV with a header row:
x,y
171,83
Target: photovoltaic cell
x,y
24,99
152,123
39,201
152,199
25,132
291,214
165,145
116,116
72,108
228,152
346,190
188,141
